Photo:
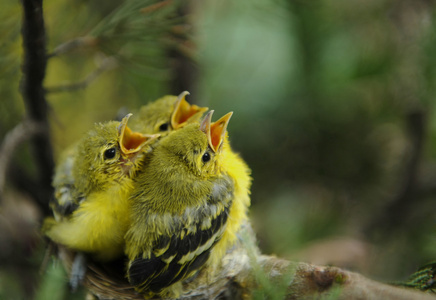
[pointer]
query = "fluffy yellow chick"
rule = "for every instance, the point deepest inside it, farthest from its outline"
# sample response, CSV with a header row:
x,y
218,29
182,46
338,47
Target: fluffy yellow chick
x,y
92,214
161,116
189,201
73,185
166,114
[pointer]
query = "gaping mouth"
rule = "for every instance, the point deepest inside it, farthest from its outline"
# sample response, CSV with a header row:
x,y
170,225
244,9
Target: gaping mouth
x,y
216,131
132,144
183,111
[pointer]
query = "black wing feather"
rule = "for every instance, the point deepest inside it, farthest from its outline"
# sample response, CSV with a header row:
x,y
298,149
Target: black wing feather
x,y
155,274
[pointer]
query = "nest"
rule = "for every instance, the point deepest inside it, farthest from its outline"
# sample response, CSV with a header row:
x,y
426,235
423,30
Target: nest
x,y
105,281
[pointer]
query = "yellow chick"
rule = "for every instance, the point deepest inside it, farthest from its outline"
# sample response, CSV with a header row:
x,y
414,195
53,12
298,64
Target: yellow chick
x,y
92,214
189,201
105,239
166,114
161,116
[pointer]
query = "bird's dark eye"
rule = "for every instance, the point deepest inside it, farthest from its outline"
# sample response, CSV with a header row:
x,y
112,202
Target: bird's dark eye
x,y
110,153
163,127
206,157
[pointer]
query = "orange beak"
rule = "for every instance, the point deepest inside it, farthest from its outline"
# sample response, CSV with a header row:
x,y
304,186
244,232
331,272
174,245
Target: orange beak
x,y
132,142
216,131
183,111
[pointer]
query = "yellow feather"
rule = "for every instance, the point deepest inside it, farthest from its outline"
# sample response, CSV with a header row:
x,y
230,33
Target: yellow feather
x,y
97,226
240,173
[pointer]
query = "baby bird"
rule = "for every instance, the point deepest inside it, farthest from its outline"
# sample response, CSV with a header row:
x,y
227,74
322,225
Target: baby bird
x,y
92,215
75,229
166,114
189,201
161,116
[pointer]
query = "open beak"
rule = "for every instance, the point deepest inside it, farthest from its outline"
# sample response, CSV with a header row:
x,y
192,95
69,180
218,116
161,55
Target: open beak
x,y
132,142
183,111
216,131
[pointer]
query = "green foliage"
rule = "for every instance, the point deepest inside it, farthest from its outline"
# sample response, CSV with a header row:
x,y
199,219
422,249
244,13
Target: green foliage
x,y
270,286
54,284
423,279
135,33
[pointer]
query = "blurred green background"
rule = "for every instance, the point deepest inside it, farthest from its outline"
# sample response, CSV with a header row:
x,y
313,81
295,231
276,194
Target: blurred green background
x,y
333,107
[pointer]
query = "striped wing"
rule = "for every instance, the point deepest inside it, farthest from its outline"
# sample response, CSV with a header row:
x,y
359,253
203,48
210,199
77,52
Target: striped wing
x,y
176,258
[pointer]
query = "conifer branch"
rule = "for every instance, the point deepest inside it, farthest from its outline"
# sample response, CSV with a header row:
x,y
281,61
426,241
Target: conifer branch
x,y
84,41
107,64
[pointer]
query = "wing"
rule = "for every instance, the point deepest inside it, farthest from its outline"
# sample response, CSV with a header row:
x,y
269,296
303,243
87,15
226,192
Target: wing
x,y
177,257
66,199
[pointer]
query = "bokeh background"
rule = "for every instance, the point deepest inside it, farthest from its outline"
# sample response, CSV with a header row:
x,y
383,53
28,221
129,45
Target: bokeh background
x,y
333,107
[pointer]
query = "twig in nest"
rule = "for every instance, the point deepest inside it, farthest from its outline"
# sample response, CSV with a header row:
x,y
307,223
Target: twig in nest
x,y
107,64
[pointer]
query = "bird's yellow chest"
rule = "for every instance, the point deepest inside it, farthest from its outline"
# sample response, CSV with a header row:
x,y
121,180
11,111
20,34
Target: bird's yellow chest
x,y
104,217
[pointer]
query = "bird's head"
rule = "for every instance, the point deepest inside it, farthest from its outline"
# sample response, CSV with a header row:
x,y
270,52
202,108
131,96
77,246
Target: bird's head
x,y
198,147
166,114
109,153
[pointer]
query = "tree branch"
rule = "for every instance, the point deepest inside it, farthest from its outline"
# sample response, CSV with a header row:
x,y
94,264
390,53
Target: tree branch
x,y
32,91
26,184
12,140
